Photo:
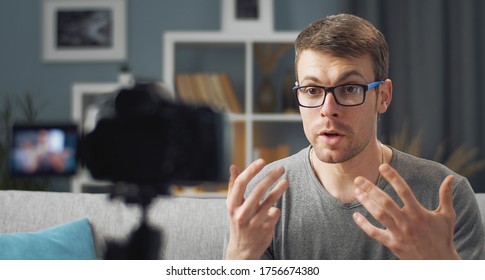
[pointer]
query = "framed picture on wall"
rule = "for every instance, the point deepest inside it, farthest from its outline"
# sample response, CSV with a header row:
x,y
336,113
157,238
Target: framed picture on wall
x,y
247,16
84,30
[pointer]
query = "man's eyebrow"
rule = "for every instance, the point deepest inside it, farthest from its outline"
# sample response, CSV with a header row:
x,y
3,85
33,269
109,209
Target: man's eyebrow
x,y
311,78
342,78
349,74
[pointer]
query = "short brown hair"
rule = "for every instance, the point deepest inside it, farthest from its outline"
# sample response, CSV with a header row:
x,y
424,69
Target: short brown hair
x,y
346,35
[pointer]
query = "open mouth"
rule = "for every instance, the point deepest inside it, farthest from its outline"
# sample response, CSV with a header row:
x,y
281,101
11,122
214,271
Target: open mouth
x,y
331,134
331,137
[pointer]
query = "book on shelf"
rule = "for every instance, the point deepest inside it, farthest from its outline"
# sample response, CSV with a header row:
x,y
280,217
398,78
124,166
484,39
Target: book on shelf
x,y
230,93
213,89
270,154
215,86
184,88
202,90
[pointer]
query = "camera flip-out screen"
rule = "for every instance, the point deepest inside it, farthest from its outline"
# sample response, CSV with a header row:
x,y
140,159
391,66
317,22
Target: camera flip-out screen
x,y
38,150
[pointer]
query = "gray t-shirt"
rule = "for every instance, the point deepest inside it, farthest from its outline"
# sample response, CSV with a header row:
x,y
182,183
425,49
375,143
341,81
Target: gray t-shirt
x,y
315,225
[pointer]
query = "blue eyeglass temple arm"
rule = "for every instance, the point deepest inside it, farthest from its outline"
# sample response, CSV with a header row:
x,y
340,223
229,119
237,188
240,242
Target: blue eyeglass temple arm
x,y
374,84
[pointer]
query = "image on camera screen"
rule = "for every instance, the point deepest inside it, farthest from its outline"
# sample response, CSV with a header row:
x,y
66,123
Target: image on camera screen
x,y
43,150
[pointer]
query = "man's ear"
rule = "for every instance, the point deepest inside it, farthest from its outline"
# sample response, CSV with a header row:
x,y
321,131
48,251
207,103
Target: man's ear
x,y
385,93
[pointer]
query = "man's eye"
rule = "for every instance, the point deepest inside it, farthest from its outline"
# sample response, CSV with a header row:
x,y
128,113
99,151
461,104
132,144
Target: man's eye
x,y
313,90
350,89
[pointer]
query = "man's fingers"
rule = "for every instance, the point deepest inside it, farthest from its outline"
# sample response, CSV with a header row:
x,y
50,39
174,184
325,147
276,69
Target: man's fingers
x,y
377,202
254,199
234,172
274,214
371,230
273,196
446,196
400,186
247,208
236,196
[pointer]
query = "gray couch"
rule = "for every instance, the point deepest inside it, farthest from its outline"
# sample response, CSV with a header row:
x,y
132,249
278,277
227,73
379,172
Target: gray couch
x,y
191,228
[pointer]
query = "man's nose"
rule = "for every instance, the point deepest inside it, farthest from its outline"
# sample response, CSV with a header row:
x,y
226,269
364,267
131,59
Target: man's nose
x,y
330,106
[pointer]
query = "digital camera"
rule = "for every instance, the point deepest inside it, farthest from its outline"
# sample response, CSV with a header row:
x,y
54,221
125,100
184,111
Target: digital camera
x,y
143,137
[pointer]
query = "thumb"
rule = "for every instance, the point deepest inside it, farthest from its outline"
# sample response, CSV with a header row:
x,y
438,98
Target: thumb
x,y
446,196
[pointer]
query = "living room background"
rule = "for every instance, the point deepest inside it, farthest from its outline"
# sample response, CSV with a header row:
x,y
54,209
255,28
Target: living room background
x,y
23,70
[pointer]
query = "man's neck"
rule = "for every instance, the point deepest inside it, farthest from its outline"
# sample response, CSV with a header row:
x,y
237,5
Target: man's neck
x,y
338,178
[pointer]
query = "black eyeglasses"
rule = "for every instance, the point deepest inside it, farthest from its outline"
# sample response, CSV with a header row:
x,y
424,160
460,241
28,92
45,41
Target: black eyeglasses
x,y
345,95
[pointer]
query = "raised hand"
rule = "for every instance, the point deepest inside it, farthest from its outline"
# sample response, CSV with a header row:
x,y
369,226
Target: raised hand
x,y
252,220
411,231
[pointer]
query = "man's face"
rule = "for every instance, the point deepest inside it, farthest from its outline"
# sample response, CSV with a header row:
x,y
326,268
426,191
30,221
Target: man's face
x,y
339,133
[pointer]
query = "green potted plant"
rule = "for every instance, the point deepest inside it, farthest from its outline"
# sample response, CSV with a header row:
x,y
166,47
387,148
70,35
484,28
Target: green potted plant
x,y
29,111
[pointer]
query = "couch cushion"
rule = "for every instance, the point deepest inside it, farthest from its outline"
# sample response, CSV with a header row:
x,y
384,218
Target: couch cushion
x,y
191,228
70,241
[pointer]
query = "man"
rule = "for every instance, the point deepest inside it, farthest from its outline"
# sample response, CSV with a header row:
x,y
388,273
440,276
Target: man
x,y
347,196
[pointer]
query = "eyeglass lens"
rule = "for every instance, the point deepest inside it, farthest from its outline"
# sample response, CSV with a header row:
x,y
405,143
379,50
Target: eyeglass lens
x,y
346,95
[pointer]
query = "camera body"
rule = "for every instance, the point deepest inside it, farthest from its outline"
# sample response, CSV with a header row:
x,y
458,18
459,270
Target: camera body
x,y
143,138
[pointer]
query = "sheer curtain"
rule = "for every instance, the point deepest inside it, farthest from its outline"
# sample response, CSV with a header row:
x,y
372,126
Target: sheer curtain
x,y
438,71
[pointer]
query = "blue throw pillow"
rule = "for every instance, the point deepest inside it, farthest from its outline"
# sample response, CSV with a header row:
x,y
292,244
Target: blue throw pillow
x,y
71,241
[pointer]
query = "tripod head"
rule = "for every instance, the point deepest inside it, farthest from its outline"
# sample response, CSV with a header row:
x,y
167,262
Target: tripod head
x,y
144,242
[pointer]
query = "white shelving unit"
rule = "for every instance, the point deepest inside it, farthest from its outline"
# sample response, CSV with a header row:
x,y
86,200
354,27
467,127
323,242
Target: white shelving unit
x,y
81,92
173,40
